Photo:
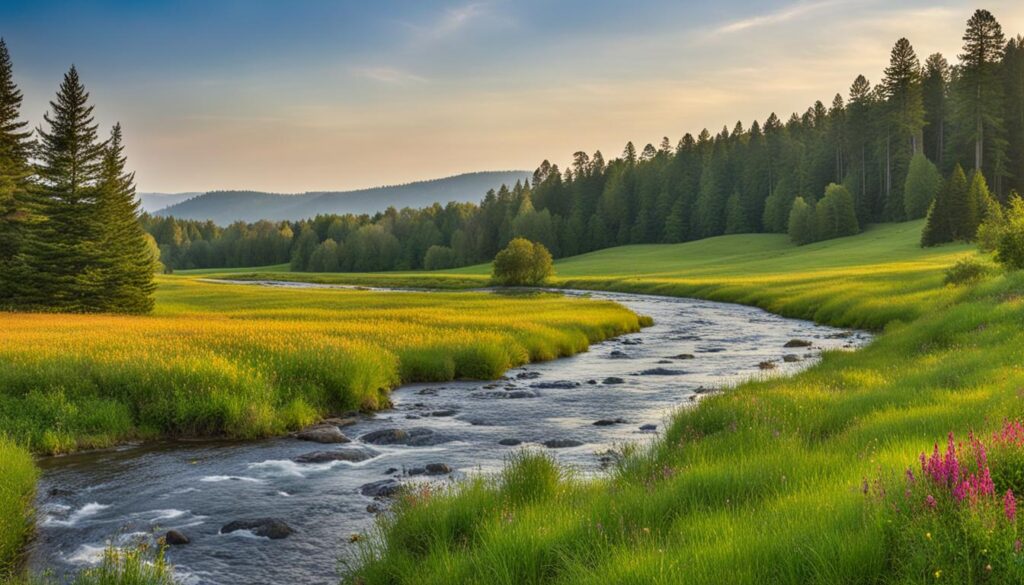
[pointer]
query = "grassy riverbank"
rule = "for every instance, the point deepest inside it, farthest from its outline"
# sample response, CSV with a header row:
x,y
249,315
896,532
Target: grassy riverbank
x,y
245,361
776,481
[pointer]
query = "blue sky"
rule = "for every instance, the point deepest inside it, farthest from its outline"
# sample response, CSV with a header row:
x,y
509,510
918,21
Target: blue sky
x,y
305,95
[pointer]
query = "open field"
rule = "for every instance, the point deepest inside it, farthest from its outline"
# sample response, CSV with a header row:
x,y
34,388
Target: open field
x,y
864,281
769,482
244,361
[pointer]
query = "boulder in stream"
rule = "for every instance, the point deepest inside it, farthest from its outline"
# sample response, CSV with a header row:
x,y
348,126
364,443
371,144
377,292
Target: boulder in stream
x,y
510,442
661,372
414,437
351,454
175,538
556,385
271,528
790,358
384,488
322,433
607,422
798,343
562,443
611,380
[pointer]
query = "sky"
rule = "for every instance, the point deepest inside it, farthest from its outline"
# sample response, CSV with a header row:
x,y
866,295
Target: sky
x,y
305,95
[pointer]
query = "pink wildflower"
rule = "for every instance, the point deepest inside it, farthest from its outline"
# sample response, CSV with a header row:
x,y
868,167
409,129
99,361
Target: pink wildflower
x,y
930,501
1010,506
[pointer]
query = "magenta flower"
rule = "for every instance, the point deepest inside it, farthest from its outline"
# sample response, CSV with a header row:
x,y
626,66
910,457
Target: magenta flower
x,y
1010,507
930,502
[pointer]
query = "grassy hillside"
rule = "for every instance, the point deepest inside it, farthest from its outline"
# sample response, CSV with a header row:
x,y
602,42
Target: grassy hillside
x,y
797,480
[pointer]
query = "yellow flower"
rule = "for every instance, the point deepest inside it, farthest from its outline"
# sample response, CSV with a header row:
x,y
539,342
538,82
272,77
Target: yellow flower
x,y
938,574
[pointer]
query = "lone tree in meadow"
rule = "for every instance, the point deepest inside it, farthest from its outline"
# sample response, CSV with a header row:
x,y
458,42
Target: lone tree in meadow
x,y
15,185
522,263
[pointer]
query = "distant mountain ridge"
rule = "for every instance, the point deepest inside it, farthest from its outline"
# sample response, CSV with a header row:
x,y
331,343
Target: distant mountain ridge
x,y
225,207
152,202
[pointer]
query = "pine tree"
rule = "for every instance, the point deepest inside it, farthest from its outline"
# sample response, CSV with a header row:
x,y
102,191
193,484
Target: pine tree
x,y
128,265
905,119
934,91
980,201
15,188
951,216
979,95
68,257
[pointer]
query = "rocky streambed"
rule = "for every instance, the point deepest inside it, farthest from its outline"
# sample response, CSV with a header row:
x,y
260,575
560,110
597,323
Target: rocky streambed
x,y
284,510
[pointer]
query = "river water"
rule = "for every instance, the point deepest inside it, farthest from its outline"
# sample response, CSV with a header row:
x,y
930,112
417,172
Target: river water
x,y
139,492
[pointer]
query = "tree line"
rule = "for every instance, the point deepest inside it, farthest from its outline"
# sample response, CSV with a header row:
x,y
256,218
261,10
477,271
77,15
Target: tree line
x,y
70,237
885,147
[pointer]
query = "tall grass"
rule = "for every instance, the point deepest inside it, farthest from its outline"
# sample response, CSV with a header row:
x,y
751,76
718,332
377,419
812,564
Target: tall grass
x,y
245,361
17,487
764,483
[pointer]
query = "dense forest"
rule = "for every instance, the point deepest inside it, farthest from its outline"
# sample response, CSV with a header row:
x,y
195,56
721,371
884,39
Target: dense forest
x,y
743,179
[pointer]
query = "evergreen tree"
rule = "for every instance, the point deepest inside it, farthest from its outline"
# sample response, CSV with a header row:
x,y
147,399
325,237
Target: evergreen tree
x,y
934,91
980,200
68,258
979,95
951,216
303,249
127,264
923,182
15,188
904,122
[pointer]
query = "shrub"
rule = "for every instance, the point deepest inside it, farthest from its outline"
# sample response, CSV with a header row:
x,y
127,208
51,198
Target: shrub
x,y
522,263
1010,239
965,271
922,184
439,258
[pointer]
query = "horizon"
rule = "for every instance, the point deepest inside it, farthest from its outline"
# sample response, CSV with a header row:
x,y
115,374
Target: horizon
x,y
339,98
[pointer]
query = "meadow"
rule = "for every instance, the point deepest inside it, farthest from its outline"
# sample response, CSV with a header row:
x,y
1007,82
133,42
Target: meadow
x,y
817,478
243,361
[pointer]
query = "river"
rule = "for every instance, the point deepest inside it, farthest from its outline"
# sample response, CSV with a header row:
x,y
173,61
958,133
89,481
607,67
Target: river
x,y
632,384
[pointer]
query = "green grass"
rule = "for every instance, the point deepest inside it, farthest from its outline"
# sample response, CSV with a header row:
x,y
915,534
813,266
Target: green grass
x,y
242,361
761,484
17,489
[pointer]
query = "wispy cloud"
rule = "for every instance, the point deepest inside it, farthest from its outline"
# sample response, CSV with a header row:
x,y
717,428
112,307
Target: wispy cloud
x,y
784,14
451,21
388,75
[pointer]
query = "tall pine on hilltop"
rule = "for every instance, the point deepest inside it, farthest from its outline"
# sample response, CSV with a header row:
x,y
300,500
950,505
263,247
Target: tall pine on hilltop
x,y
15,183
128,270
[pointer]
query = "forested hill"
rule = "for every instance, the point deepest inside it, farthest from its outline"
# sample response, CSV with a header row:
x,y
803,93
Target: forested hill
x,y
226,207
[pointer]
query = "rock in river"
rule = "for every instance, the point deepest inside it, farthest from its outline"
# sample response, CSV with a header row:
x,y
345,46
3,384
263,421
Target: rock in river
x,y
510,442
661,372
352,454
556,385
614,380
431,469
175,538
790,358
322,433
271,528
384,488
562,443
797,343
648,427
607,422
414,437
